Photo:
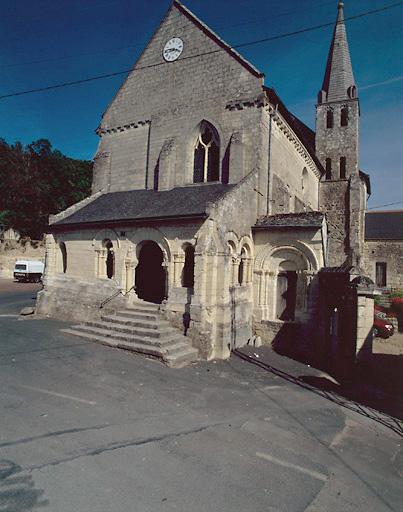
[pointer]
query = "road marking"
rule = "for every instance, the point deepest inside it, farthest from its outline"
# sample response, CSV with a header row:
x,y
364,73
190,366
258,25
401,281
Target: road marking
x,y
59,395
314,474
9,316
268,388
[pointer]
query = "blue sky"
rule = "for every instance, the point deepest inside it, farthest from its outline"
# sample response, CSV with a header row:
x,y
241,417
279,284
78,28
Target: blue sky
x,y
45,42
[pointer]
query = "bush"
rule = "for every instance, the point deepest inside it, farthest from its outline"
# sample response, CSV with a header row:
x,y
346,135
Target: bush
x,y
377,300
397,295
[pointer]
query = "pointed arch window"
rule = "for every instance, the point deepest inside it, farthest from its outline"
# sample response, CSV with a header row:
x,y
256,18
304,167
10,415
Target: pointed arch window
x,y
343,168
344,116
328,169
206,166
329,119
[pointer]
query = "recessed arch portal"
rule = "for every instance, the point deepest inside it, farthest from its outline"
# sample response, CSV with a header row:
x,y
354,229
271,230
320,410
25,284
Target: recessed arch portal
x,y
151,278
285,274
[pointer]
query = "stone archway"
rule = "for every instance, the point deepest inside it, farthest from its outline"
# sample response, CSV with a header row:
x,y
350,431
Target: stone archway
x,y
150,279
284,282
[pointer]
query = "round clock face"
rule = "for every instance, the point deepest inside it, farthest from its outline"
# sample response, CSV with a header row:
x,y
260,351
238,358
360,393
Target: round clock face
x,y
173,49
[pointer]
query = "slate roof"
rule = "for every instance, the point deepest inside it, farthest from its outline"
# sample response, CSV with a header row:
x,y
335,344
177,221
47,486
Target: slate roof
x,y
339,72
291,220
142,205
384,225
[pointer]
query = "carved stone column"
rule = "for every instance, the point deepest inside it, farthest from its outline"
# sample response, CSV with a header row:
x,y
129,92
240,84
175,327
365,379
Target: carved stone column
x,y
235,271
261,287
165,266
248,270
101,265
179,262
50,257
129,280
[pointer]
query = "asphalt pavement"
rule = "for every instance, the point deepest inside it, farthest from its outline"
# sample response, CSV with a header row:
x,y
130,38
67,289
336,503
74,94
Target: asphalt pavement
x,y
88,428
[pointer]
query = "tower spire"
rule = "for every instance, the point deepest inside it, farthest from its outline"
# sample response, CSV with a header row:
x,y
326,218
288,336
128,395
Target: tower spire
x,y
338,83
337,148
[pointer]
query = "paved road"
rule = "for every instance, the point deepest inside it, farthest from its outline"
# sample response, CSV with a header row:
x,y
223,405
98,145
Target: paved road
x,y
87,428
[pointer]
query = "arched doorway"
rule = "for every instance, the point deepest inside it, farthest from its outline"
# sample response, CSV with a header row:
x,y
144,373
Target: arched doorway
x,y
188,272
286,295
110,258
150,274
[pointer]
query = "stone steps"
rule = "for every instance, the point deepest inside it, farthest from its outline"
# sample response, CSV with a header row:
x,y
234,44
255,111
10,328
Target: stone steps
x,y
141,329
137,331
129,316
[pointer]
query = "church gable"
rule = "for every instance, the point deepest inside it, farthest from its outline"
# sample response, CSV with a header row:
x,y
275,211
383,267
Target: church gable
x,y
189,112
206,70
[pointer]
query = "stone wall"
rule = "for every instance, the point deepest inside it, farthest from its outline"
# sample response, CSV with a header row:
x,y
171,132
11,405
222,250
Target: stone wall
x,y
334,201
153,120
341,195
386,251
78,293
11,251
338,141
293,182
86,263
365,322
233,221
293,339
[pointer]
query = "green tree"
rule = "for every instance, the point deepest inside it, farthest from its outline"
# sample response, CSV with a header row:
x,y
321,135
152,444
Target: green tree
x,y
37,181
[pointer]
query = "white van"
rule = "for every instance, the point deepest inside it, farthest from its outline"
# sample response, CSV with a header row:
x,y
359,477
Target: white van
x,y
25,270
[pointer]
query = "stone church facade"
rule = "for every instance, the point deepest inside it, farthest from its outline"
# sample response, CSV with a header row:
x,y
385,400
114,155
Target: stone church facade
x,y
211,199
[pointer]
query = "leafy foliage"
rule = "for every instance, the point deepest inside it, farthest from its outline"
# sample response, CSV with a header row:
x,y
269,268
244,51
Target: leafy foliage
x,y
37,181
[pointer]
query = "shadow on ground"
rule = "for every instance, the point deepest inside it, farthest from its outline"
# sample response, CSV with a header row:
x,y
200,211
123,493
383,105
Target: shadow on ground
x,y
17,491
370,393
375,380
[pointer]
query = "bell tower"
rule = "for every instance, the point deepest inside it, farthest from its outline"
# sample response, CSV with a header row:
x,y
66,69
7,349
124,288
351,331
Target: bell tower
x,y
337,148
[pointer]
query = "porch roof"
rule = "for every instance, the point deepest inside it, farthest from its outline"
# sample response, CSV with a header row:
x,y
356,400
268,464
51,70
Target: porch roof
x,y
140,205
291,220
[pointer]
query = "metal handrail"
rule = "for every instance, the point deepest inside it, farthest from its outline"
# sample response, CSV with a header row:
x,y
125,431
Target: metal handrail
x,y
116,294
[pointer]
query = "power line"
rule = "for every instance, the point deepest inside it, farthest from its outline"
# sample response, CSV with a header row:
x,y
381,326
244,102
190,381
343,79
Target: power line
x,y
275,16
384,205
317,27
67,57
130,47
240,45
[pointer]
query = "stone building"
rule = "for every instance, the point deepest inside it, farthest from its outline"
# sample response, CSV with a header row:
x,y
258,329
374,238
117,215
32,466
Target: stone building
x,y
383,251
213,207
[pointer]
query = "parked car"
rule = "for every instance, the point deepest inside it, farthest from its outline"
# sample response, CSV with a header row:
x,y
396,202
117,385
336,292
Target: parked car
x,y
380,312
382,327
28,271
